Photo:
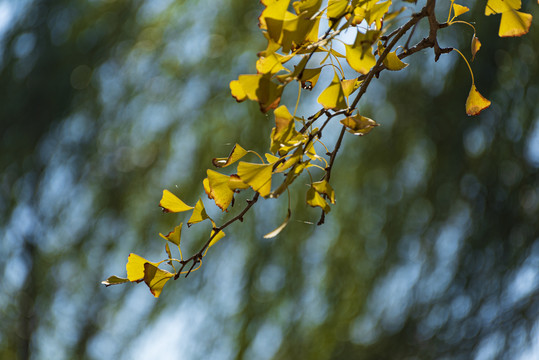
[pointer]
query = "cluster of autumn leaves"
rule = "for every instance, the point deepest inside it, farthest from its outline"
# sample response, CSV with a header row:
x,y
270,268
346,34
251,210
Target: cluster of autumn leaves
x,y
296,35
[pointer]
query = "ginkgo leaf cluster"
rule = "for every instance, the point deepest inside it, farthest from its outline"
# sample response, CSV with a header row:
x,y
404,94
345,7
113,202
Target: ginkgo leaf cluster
x,y
296,31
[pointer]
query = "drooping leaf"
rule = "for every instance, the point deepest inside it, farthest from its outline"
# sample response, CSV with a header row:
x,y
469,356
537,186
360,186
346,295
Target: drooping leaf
x,y
349,86
258,176
459,10
220,191
393,63
280,228
221,234
237,153
359,125
333,96
323,187
359,55
199,213
475,102
155,278
315,199
284,136
114,280
171,203
174,236
476,45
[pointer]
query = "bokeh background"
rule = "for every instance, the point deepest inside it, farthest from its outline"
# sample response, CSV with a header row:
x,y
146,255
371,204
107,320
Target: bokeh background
x,y
432,251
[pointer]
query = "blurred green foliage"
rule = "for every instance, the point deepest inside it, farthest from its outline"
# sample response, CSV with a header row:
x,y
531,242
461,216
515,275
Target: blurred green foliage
x,y
430,253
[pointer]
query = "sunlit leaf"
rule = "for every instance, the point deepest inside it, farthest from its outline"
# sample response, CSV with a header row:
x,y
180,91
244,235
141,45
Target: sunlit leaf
x,y
199,214
359,55
237,153
174,236
336,8
280,228
171,203
514,23
155,278
349,86
376,13
220,191
275,10
258,176
500,6
135,267
258,88
476,45
297,30
333,96
235,183
307,8
270,64
358,125
476,102
315,199
221,234
393,63
459,9
323,187
114,280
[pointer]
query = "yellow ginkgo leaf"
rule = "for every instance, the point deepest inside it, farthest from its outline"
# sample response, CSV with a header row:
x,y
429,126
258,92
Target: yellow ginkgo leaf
x,y
349,86
459,9
135,267
307,8
476,45
359,125
333,96
475,102
199,213
314,199
221,234
336,8
237,153
514,23
323,187
393,63
114,280
270,64
276,232
235,183
258,88
174,236
171,203
359,55
220,192
155,278
500,6
258,176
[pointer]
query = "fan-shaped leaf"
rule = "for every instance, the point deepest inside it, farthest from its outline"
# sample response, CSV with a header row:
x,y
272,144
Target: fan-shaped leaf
x,y
171,203
155,278
258,176
174,236
476,102
199,213
333,96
